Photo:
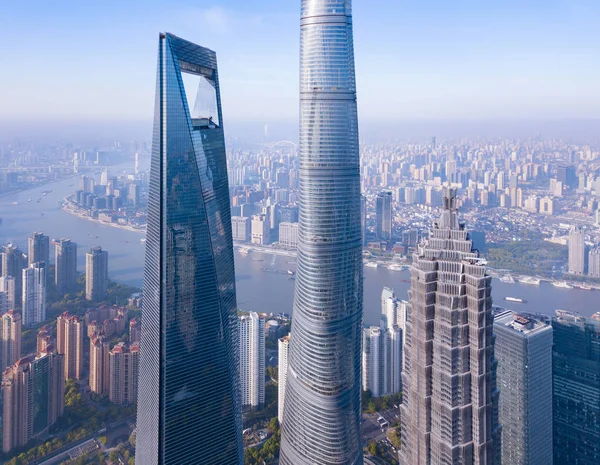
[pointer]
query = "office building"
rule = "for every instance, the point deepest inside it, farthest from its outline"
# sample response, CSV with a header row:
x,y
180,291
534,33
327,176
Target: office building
x,y
134,194
449,410
34,294
33,398
69,342
252,359
13,262
8,287
65,273
241,228
523,349
261,230
96,274
124,361
10,339
288,235
383,216
282,367
188,274
39,248
576,251
322,413
99,364
576,389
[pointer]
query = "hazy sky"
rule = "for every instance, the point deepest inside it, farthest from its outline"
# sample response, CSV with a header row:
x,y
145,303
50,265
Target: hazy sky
x,y
415,59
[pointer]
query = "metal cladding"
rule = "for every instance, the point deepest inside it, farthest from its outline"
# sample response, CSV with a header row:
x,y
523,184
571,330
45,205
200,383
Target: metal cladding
x,y
449,410
322,395
188,402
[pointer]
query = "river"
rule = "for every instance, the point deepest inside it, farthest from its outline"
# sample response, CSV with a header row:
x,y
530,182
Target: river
x,y
256,290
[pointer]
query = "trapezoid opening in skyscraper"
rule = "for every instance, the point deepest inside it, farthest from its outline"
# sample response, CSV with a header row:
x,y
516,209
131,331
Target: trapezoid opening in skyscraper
x,y
188,403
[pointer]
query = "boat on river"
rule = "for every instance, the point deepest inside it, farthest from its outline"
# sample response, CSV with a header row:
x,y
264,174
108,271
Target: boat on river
x,y
515,299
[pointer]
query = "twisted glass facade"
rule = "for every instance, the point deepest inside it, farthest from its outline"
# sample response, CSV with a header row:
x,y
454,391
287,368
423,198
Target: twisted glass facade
x,y
188,401
322,395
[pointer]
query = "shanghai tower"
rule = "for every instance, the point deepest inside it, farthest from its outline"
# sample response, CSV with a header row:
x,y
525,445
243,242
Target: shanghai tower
x,y
322,397
188,402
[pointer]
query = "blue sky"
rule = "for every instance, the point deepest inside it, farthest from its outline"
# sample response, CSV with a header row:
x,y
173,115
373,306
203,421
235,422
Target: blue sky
x,y
415,59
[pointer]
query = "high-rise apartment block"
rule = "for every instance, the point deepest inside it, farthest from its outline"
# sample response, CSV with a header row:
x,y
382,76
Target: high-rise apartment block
x,y
10,339
134,331
69,342
576,251
34,294
383,215
576,389
96,274
288,235
99,364
523,349
124,363
33,397
322,412
38,248
8,289
188,274
65,259
282,368
252,359
13,262
449,410
594,262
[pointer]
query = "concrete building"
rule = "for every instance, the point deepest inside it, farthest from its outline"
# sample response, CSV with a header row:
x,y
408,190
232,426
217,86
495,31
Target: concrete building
x,y
282,349
252,359
241,228
96,274
383,216
594,262
43,341
576,251
10,339
99,364
34,294
523,349
69,342
124,363
371,360
261,230
65,273
134,331
8,289
33,398
449,411
288,235
38,249
576,389
547,206
13,262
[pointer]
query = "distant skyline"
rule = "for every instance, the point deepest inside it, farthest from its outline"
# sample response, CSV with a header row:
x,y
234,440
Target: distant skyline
x,y
429,60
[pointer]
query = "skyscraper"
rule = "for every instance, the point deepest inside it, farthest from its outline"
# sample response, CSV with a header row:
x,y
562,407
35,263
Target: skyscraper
x,y
69,342
383,215
189,308
252,359
363,218
99,364
34,294
96,274
282,368
10,339
576,251
39,248
449,409
322,395
576,389
524,351
8,286
13,262
123,373
65,273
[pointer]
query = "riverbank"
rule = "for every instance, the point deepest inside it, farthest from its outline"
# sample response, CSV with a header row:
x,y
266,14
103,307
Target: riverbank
x,y
69,206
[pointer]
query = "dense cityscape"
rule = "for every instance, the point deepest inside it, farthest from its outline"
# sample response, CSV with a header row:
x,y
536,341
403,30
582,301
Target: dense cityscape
x,y
420,314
